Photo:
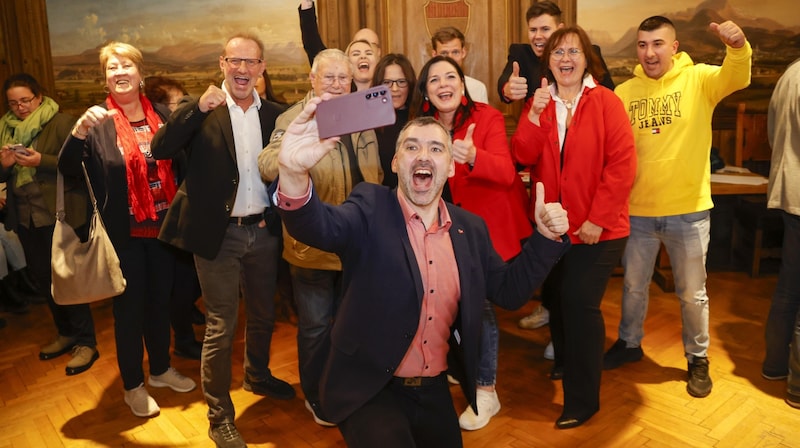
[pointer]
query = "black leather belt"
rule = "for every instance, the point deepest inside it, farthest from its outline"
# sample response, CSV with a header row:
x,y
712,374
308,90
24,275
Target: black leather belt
x,y
246,220
418,381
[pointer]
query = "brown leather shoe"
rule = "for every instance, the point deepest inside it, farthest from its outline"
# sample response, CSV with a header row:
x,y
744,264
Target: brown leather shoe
x,y
61,345
82,358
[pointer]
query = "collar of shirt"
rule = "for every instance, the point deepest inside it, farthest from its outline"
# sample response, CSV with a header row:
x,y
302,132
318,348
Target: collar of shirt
x,y
231,103
409,213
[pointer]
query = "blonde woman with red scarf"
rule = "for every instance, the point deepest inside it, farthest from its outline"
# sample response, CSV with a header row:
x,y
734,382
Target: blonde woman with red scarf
x,y
133,193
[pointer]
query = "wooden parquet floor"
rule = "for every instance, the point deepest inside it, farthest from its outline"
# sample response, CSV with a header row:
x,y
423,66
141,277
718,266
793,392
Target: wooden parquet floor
x,y
644,404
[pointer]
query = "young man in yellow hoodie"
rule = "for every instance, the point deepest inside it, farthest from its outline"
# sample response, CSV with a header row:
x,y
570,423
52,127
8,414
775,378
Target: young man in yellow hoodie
x,y
670,101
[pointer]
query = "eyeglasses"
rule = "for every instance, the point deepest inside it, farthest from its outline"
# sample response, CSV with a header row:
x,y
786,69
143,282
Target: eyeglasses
x,y
236,62
573,53
402,83
21,102
328,80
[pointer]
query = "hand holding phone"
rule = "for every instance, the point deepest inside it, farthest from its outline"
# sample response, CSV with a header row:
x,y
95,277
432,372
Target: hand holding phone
x,y
355,112
20,149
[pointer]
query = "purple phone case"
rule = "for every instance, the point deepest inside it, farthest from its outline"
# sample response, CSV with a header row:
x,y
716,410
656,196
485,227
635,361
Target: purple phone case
x,y
355,112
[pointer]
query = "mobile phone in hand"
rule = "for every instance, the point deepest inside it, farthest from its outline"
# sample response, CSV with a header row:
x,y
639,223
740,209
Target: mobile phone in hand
x,y
355,112
20,149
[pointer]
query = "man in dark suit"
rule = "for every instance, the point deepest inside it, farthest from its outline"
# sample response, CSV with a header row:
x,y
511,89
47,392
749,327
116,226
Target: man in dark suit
x,y
416,272
220,214
523,71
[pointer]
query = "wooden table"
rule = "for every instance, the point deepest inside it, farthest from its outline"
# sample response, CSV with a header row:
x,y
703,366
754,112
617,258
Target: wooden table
x,y
662,273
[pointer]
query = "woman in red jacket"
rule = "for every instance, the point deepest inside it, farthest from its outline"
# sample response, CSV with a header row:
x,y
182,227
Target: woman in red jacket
x,y
486,183
575,136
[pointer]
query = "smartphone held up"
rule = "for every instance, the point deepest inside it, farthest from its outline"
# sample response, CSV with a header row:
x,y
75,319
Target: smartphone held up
x,y
355,112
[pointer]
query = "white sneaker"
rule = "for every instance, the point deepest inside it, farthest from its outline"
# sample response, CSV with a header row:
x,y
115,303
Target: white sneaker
x,y
312,409
549,352
172,379
488,407
538,318
141,403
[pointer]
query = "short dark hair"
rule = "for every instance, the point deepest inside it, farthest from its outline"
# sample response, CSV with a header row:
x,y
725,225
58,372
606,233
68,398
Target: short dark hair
x,y
156,87
422,122
408,72
541,8
23,80
655,22
593,63
446,34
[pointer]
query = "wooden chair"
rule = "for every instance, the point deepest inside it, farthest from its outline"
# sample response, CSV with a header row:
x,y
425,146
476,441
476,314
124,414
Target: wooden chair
x,y
757,231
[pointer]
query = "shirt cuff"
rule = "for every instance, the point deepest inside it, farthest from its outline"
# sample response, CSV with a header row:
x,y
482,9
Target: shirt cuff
x,y
290,203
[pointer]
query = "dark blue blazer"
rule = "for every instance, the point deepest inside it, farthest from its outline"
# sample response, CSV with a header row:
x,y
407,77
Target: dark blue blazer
x,y
382,289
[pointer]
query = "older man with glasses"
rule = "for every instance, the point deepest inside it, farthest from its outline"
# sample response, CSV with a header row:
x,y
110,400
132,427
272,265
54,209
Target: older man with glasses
x,y
316,275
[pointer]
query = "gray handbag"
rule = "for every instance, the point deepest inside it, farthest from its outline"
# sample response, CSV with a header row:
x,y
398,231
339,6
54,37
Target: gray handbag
x,y
83,272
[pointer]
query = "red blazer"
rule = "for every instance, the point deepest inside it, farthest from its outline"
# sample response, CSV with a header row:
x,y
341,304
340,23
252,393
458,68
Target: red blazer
x,y
599,161
491,188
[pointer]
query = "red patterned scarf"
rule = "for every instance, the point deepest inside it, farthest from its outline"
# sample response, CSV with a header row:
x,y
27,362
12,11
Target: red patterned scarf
x,y
140,198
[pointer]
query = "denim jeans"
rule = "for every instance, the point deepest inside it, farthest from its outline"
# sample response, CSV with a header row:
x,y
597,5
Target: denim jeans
x,y
141,313
13,252
686,239
247,258
317,294
490,342
782,324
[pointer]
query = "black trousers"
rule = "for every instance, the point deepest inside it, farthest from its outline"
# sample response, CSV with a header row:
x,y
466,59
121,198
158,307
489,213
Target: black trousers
x,y
402,417
575,288
185,292
74,321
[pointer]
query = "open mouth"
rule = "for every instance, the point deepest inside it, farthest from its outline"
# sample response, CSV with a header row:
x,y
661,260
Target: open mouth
x,y
566,70
364,66
422,177
445,96
241,80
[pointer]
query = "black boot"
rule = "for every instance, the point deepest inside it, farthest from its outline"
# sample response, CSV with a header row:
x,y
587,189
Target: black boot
x,y
10,300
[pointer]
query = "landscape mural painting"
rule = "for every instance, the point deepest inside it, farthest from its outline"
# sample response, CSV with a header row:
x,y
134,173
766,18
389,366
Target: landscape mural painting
x,y
182,39
771,26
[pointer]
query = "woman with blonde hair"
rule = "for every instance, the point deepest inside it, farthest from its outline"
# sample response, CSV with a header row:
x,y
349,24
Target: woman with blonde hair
x,y
133,191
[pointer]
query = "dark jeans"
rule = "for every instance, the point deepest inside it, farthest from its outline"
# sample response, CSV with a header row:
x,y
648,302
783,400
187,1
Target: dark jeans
x,y
576,286
74,321
185,292
246,258
141,313
401,417
317,294
782,330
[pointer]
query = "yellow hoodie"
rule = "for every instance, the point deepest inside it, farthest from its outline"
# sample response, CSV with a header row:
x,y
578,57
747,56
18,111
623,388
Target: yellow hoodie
x,y
671,120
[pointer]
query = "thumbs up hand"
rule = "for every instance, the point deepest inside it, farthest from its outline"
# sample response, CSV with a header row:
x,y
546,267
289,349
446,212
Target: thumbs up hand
x,y
541,98
517,86
551,218
464,151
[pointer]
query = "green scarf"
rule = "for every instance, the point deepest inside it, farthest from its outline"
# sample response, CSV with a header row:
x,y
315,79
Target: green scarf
x,y
14,130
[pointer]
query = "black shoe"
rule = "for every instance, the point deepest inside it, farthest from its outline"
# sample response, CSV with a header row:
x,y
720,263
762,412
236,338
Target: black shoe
x,y
699,384
271,387
620,354
198,318
225,435
565,422
793,401
557,373
190,350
